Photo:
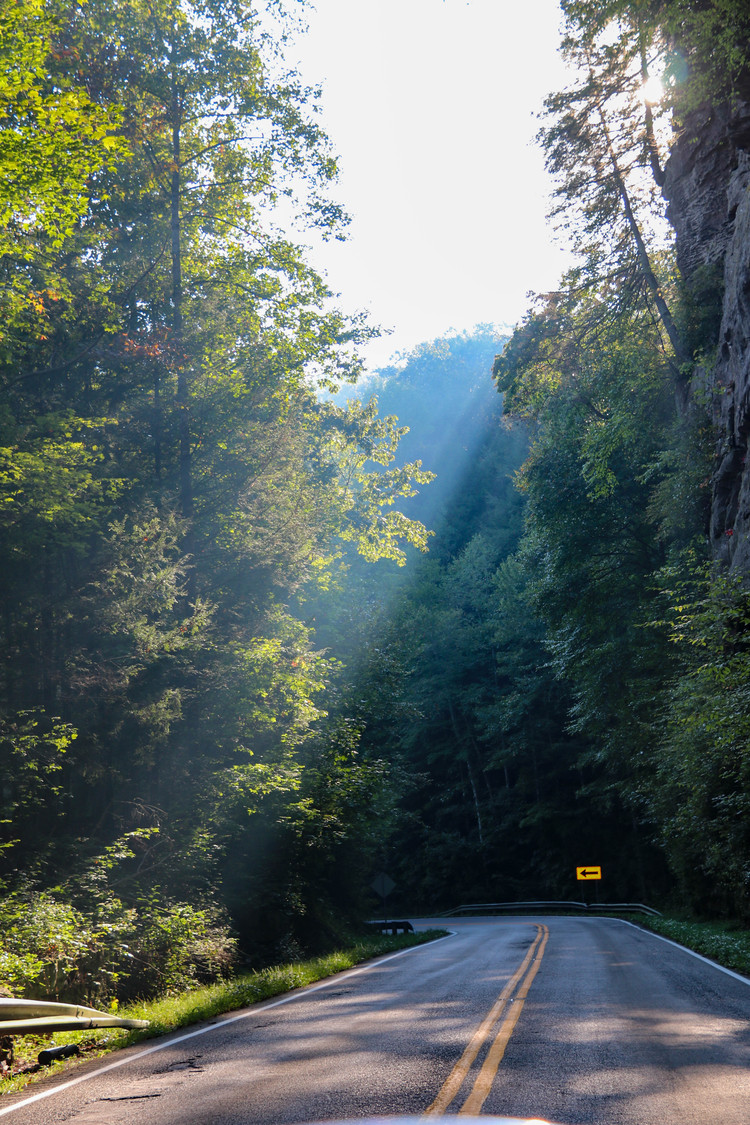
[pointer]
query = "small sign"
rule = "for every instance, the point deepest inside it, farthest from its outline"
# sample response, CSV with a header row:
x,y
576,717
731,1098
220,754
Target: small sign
x,y
382,884
586,873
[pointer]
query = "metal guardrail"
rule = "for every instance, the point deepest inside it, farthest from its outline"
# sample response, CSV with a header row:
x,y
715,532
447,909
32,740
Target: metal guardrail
x,y
30,1017
622,907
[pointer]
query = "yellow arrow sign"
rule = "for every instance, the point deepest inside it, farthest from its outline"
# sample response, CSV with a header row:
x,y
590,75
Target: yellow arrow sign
x,y
588,873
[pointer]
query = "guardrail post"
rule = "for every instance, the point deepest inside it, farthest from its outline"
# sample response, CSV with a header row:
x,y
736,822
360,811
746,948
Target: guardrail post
x,y
52,1054
6,1053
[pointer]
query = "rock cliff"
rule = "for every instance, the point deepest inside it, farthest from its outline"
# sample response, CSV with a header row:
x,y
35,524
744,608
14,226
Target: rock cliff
x,y
708,192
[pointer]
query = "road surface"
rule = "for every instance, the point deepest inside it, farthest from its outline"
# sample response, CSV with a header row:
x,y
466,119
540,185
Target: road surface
x,y
575,1020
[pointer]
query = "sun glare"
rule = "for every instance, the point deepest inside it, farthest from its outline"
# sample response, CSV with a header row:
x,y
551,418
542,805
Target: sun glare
x,y
652,90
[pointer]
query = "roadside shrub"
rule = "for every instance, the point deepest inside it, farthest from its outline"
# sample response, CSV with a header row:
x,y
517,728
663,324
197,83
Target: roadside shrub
x,y
44,943
53,950
178,947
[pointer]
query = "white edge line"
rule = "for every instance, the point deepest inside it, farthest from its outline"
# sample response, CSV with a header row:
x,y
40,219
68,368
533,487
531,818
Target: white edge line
x,y
684,948
220,1023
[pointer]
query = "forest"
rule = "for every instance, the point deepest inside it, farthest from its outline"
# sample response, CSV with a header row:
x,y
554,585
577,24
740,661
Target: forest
x,y
271,625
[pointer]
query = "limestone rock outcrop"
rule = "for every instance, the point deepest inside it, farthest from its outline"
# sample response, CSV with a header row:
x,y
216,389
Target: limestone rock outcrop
x,y
708,191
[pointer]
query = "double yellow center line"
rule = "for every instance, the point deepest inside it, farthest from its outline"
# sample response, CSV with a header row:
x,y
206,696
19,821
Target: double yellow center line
x,y
514,994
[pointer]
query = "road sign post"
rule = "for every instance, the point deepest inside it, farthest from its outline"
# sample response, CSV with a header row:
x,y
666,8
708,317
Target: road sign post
x,y
382,884
590,874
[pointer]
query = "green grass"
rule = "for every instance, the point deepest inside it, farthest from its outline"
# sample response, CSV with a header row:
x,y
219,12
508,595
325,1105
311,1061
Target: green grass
x,y
725,942
173,1012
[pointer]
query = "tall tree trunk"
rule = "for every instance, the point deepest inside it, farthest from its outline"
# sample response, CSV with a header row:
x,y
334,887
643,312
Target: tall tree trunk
x,y
665,314
157,424
470,772
477,810
682,357
183,389
650,140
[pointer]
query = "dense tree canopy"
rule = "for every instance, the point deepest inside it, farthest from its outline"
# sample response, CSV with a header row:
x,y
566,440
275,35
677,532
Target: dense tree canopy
x,y
642,628
171,476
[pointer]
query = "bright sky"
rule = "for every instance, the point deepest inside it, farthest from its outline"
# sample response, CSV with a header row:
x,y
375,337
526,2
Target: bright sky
x,y
431,107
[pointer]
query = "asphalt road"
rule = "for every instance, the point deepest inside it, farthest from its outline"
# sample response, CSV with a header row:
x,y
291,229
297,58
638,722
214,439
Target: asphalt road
x,y
575,1020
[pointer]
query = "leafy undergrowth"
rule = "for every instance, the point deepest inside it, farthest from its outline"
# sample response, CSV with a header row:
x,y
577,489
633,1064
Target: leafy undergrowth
x,y
173,1012
725,942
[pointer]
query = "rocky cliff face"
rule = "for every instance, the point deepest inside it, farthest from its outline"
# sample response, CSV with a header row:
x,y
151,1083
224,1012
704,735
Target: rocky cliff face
x,y
708,191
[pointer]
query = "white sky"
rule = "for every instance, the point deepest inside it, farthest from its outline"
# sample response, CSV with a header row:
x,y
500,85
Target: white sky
x,y
431,106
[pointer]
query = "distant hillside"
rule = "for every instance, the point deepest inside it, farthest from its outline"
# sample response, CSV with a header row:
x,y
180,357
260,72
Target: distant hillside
x,y
443,392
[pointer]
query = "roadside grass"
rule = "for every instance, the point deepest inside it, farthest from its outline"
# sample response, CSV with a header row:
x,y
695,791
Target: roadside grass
x,y
728,943
170,1013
